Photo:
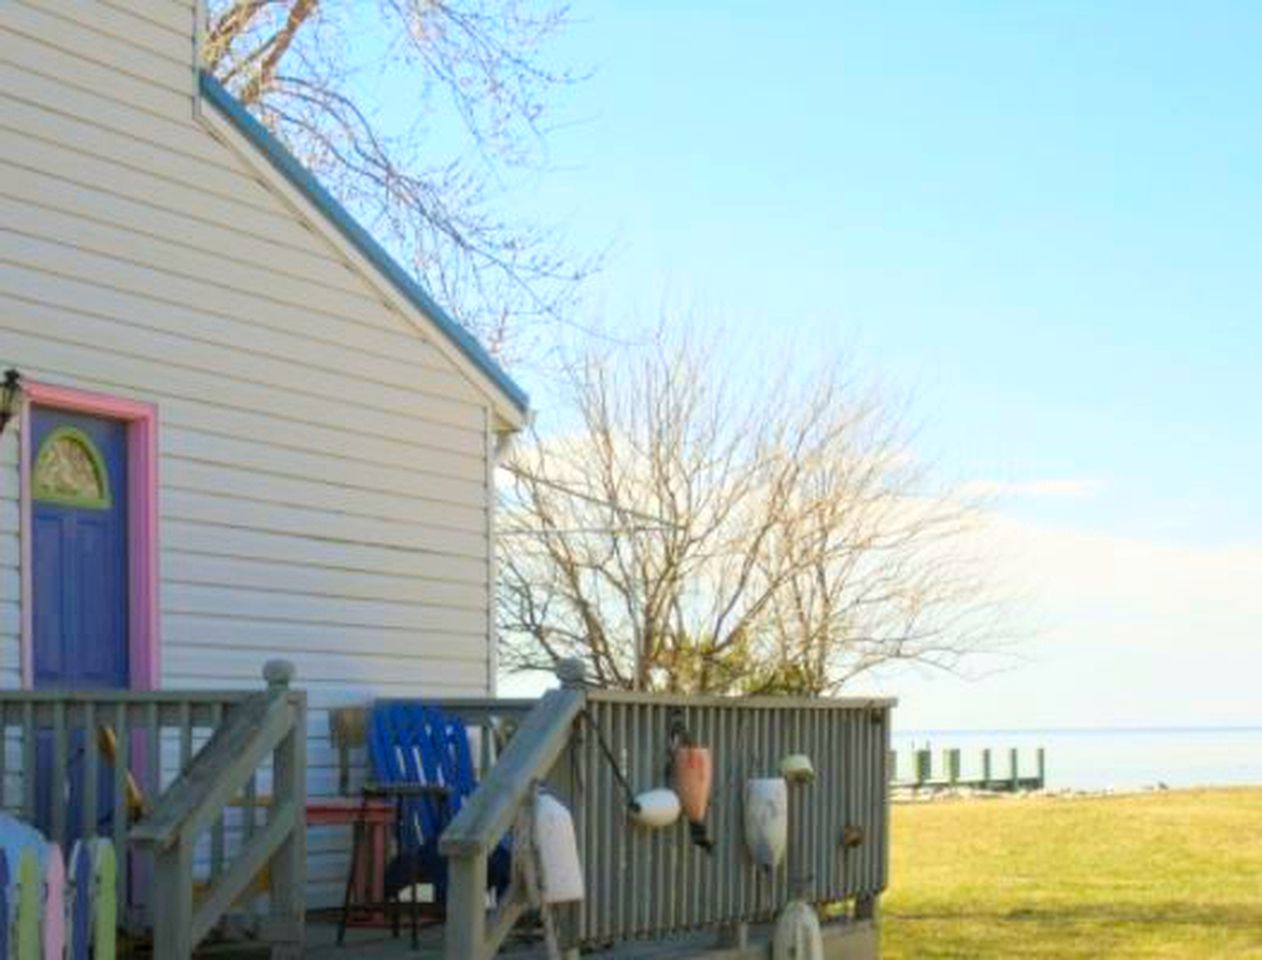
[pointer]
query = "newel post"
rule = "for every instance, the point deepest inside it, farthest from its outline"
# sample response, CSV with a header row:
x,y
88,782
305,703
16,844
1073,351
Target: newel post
x,y
287,890
572,672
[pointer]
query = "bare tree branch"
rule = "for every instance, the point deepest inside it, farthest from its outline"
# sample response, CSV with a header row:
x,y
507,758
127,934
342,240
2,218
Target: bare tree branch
x,y
693,534
474,69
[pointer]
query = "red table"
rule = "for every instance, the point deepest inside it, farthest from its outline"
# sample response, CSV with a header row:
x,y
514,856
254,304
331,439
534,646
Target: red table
x,y
372,821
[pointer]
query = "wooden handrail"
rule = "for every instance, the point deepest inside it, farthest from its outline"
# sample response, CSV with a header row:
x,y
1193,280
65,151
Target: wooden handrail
x,y
642,885
486,816
266,723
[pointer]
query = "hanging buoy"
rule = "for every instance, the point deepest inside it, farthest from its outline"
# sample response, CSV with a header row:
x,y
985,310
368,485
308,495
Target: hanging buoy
x,y
797,768
561,874
692,769
656,808
766,820
797,935
693,773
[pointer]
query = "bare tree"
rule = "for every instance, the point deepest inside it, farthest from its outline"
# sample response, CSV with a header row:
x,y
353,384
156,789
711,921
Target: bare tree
x,y
467,87
700,532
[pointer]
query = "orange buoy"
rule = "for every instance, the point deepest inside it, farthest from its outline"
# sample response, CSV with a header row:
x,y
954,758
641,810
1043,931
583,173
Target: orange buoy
x,y
693,773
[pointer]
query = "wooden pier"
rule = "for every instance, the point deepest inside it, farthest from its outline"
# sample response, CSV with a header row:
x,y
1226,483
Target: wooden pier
x,y
949,774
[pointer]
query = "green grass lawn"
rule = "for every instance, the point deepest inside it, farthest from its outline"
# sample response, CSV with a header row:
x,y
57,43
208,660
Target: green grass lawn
x,y
1170,874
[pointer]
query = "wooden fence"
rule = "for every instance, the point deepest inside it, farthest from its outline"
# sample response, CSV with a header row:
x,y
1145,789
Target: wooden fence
x,y
654,884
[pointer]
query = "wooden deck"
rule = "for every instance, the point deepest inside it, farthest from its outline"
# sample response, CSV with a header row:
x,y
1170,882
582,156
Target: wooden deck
x,y
361,944
852,941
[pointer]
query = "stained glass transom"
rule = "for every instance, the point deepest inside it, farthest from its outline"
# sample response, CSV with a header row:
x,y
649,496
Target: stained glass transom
x,y
69,470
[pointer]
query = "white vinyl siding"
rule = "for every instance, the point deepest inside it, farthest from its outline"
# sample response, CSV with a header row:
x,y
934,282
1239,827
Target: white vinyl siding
x,y
324,484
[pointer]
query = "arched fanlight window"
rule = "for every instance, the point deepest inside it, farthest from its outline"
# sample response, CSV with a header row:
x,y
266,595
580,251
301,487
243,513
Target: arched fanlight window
x,y
69,470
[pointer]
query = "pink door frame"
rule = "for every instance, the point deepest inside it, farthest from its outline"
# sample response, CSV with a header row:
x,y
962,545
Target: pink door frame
x,y
142,522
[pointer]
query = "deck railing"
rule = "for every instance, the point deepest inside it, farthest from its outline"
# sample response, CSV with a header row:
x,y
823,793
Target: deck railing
x,y
643,884
131,766
265,729
79,764
539,741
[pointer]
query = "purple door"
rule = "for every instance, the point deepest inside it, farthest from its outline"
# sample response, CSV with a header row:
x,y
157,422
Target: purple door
x,y
79,590
79,549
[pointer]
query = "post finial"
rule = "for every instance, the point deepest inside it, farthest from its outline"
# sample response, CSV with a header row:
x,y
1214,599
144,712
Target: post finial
x,y
572,672
279,674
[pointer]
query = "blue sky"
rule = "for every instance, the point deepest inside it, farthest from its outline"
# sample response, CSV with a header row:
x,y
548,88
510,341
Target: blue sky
x,y
1040,220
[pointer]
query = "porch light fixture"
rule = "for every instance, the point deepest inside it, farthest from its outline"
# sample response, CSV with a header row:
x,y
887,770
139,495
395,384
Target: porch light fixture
x,y
9,396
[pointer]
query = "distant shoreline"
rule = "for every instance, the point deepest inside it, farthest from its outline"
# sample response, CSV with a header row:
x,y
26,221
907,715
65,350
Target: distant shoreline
x,y
1068,731
908,796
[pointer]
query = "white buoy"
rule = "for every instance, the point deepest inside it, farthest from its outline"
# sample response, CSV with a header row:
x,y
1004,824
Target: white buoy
x,y
561,873
656,808
797,768
767,820
797,935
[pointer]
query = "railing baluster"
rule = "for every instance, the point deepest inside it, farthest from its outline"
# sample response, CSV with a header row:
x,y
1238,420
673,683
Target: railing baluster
x,y
876,752
28,761
771,768
122,761
249,806
484,746
815,842
4,756
687,873
623,841
653,735
754,906
186,735
797,854
835,820
863,727
663,841
639,878
91,772
217,830
740,744
853,790
60,773
153,744
595,866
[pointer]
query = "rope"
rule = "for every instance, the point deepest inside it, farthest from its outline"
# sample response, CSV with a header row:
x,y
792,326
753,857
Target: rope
x,y
605,749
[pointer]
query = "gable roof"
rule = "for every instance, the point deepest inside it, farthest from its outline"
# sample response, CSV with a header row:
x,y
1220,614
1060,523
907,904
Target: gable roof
x,y
306,184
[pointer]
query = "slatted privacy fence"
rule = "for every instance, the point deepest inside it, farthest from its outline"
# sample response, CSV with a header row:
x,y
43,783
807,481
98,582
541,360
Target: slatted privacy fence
x,y
646,884
87,763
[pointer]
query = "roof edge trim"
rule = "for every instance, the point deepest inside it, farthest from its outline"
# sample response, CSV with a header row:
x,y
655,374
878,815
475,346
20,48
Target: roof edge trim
x,y
306,183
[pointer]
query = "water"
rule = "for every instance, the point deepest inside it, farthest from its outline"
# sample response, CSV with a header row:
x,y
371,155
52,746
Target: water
x,y
1101,759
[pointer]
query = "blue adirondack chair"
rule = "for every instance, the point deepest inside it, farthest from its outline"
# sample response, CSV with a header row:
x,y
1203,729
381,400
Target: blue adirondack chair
x,y
423,755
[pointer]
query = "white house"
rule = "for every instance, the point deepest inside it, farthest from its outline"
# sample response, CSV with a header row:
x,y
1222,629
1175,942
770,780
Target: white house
x,y
242,430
